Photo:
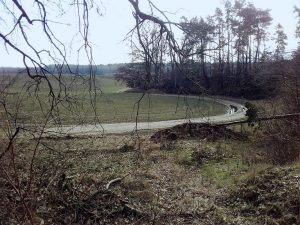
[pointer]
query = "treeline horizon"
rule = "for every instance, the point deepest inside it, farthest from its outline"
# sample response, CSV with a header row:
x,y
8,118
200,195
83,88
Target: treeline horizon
x,y
99,70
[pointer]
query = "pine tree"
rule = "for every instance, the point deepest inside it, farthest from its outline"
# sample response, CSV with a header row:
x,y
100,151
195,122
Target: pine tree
x,y
297,31
281,42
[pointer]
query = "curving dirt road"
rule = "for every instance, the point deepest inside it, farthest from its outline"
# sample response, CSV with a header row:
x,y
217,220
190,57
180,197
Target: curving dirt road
x,y
235,112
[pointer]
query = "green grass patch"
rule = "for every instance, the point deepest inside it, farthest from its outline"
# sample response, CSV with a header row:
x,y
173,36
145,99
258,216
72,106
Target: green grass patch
x,y
224,172
30,103
222,163
184,157
110,85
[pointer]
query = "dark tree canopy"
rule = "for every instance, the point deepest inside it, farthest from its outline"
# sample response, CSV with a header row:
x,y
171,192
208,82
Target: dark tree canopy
x,y
220,54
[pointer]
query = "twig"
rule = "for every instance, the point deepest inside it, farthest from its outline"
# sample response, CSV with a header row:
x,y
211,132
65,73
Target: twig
x,y
11,140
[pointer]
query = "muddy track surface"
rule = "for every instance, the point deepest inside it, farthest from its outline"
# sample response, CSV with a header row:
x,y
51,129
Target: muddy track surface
x,y
235,112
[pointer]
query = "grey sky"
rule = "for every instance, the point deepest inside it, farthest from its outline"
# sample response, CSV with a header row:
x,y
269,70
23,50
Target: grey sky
x,y
107,32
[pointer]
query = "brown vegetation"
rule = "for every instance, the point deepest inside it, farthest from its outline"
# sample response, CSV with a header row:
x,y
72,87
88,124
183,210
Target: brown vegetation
x,y
200,131
273,195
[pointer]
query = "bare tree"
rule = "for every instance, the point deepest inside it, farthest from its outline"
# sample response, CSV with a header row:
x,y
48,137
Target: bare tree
x,y
23,22
150,50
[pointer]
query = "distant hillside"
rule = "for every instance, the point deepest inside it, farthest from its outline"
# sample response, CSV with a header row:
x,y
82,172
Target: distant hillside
x,y
100,70
11,70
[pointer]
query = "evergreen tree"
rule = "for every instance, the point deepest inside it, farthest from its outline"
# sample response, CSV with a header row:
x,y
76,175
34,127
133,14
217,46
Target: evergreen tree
x,y
280,40
297,31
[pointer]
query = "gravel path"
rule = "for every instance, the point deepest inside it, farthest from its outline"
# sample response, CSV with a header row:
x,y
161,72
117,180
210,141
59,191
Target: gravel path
x,y
235,112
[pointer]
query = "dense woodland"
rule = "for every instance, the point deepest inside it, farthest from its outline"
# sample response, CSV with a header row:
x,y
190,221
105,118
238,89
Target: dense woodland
x,y
225,54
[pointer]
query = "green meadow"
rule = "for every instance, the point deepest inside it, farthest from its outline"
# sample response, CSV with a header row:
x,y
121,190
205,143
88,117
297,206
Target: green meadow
x,y
104,102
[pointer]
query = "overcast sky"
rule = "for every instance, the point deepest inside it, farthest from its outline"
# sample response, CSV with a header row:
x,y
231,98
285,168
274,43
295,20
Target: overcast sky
x,y
107,32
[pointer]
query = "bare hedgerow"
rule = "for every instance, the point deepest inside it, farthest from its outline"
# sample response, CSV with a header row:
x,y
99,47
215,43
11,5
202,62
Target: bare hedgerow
x,y
281,138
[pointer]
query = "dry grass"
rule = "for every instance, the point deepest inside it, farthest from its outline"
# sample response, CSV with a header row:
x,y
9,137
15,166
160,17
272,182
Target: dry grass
x,y
153,182
161,183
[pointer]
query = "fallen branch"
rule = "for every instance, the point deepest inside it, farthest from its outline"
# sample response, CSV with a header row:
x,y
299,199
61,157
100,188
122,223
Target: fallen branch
x,y
113,182
275,117
290,115
117,180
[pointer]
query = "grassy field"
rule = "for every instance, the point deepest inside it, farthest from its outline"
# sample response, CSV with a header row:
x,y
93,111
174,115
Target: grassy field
x,y
73,84
109,106
110,85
